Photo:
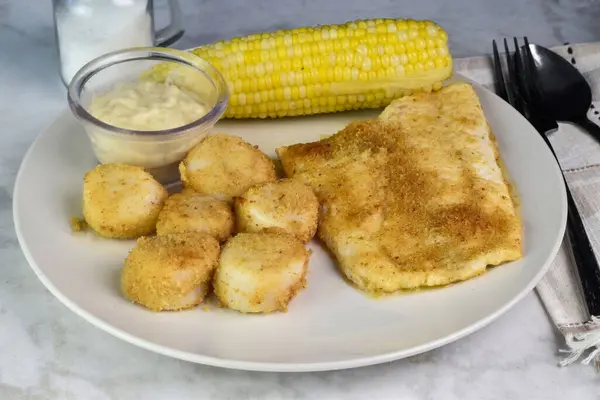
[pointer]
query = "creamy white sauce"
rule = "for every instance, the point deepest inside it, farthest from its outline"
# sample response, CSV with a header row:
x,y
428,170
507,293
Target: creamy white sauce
x,y
147,106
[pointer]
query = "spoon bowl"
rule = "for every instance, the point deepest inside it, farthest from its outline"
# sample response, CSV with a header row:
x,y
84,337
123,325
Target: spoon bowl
x,y
566,95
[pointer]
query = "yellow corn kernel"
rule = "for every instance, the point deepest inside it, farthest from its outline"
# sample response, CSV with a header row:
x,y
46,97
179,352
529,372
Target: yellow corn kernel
x,y
322,69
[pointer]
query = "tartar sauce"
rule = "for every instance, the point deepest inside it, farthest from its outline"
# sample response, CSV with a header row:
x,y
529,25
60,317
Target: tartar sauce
x,y
147,106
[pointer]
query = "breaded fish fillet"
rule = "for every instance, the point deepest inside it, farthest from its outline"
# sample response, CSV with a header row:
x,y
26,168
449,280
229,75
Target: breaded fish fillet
x,y
415,197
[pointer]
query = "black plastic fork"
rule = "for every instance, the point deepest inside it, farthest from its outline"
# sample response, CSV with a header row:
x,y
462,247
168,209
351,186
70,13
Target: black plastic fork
x,y
522,91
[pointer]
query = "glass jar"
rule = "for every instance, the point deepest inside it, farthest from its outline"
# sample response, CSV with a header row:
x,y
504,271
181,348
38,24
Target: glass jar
x,y
158,151
86,29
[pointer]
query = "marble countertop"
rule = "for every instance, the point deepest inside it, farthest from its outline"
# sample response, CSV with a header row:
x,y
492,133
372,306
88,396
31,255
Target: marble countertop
x,y
47,352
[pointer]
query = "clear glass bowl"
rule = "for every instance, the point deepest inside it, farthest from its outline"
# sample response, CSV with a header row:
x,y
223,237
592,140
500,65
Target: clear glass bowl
x,y
158,151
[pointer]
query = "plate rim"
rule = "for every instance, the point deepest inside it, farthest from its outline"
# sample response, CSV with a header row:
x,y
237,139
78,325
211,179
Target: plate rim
x,y
359,361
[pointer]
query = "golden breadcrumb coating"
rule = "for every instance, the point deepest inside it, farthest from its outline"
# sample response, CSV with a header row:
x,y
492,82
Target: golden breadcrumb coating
x,y
78,224
415,197
172,272
260,272
224,166
190,211
287,205
122,201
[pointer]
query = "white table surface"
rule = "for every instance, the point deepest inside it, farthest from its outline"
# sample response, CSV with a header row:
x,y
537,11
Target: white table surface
x,y
47,352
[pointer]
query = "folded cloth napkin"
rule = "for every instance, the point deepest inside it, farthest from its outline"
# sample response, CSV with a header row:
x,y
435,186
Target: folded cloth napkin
x,y
579,157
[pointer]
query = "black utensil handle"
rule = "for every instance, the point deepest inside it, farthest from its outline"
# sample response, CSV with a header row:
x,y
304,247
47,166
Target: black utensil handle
x,y
590,127
585,259
583,252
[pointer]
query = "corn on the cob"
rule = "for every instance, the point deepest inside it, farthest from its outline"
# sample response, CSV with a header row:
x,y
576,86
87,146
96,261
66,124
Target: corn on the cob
x,y
362,64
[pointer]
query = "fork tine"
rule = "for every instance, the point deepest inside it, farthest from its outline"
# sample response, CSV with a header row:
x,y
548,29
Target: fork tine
x,y
521,84
523,88
498,74
518,63
517,55
528,70
530,62
510,94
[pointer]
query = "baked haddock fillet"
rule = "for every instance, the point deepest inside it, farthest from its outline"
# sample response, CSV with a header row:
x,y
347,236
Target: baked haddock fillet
x,y
415,197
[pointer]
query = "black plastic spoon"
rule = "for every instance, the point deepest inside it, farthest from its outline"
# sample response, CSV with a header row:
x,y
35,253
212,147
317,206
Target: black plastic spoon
x,y
566,93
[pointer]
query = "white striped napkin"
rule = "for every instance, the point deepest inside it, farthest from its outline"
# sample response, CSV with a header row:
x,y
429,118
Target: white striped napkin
x,y
579,156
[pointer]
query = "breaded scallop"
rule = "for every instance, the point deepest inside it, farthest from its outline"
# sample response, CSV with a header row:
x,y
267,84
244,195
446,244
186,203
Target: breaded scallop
x,y
260,272
122,201
224,166
172,272
287,205
190,211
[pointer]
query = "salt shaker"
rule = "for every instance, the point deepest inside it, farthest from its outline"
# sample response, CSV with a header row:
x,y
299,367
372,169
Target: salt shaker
x,y
86,29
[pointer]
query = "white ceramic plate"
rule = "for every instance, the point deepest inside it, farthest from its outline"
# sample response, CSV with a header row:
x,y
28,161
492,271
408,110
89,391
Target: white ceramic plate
x,y
330,325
